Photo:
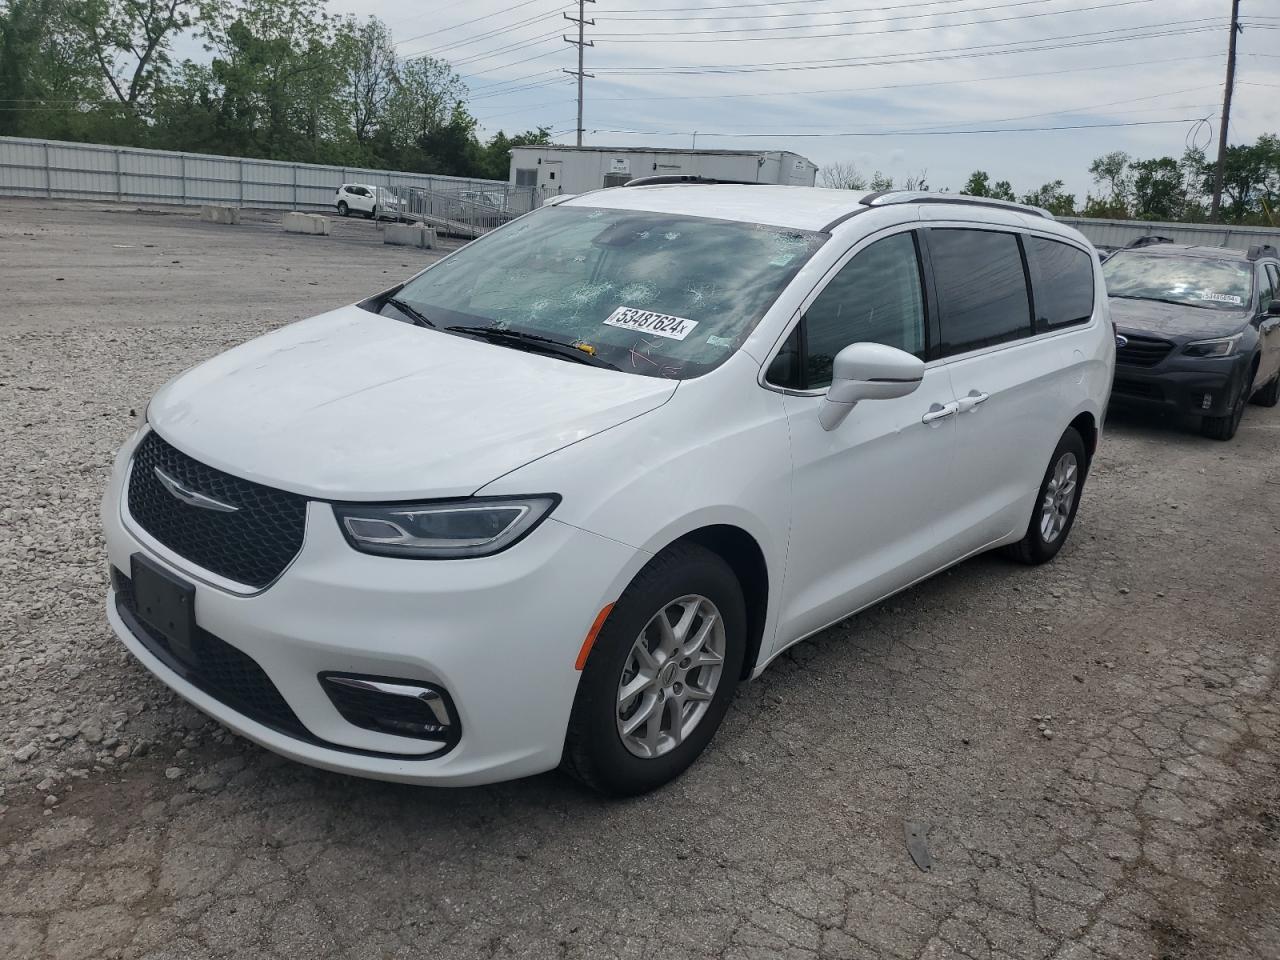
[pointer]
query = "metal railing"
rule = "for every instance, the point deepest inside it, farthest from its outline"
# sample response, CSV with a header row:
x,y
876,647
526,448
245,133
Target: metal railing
x,y
459,210
56,169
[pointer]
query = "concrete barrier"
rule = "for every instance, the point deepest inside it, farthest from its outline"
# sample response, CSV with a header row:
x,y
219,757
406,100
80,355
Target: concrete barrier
x,y
216,213
306,223
410,235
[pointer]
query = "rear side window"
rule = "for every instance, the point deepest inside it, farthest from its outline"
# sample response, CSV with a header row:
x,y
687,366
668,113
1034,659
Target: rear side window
x,y
1063,279
982,288
1270,286
876,297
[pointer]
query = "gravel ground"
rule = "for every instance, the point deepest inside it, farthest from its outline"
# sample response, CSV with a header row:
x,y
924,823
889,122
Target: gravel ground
x,y
1092,745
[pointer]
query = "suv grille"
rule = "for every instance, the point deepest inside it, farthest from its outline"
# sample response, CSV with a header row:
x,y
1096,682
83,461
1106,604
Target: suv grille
x,y
1143,351
220,670
251,545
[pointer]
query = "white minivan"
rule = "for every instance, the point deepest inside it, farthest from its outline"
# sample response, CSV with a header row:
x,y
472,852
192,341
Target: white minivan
x,y
549,501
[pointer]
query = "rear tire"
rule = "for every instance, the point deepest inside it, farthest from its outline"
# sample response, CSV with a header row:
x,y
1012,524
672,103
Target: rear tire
x,y
1056,503
1269,395
343,209
684,581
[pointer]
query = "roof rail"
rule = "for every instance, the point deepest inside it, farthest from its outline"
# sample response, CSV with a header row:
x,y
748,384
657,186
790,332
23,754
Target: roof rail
x,y
1147,241
1263,250
682,178
885,197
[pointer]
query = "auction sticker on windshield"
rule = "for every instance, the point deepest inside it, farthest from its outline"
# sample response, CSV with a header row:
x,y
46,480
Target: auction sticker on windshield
x,y
645,321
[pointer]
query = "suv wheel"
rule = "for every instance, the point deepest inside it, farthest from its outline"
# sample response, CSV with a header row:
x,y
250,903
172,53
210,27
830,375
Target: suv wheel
x,y
1224,428
343,209
1056,505
659,679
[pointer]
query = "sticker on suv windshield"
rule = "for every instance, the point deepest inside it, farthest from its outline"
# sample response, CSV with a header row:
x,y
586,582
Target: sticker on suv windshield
x,y
645,321
1220,298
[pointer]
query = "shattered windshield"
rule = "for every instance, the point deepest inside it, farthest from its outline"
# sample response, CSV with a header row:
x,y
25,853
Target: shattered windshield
x,y
651,293
1195,281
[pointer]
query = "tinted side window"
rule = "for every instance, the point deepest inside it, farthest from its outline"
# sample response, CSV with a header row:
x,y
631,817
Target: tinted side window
x,y
1063,277
1270,287
982,288
876,297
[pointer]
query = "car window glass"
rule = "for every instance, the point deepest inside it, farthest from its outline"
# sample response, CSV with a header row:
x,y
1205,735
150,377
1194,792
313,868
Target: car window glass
x,y
662,294
875,298
1270,286
785,369
982,288
1198,281
1063,281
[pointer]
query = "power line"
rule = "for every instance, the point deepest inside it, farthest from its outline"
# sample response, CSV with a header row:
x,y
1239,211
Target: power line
x,y
903,133
919,83
691,15
922,56
673,36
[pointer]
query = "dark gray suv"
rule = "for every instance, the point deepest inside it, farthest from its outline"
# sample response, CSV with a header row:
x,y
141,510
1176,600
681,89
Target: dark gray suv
x,y
1197,329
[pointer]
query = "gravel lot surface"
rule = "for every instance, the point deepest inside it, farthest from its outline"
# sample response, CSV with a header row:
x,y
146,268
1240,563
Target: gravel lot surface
x,y
1094,745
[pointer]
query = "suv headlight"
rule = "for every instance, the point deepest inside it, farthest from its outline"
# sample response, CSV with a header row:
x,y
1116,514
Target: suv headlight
x,y
443,529
1219,347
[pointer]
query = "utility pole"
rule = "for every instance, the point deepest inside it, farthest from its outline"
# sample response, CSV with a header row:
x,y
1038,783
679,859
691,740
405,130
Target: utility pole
x,y
581,44
1216,210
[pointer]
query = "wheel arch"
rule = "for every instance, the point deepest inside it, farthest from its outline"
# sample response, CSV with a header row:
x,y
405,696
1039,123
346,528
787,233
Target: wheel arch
x,y
1086,425
740,550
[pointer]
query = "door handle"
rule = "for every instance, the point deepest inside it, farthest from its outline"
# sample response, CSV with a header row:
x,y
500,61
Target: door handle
x,y
972,400
940,411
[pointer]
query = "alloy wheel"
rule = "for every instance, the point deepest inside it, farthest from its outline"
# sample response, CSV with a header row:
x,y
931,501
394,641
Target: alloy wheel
x,y
1059,496
670,676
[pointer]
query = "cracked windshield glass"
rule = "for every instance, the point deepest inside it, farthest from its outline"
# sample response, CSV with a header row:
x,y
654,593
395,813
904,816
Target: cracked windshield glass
x,y
655,294
1197,282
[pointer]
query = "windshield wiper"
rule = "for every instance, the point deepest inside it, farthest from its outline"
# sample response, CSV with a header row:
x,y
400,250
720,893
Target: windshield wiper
x,y
409,310
1176,303
533,343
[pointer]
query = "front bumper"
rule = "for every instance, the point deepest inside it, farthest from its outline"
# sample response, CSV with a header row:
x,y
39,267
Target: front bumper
x,y
500,634
1180,384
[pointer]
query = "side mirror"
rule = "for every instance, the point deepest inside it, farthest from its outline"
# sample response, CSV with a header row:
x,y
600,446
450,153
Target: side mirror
x,y
868,371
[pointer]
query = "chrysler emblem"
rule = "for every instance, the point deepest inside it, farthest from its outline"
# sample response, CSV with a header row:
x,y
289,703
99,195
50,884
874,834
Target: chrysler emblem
x,y
1121,340
192,498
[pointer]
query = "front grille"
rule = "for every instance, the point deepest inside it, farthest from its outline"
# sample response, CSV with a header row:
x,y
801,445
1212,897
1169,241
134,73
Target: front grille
x,y
1142,351
218,669
251,545
1131,388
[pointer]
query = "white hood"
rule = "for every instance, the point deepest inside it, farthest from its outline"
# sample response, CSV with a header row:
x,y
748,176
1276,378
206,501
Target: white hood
x,y
352,405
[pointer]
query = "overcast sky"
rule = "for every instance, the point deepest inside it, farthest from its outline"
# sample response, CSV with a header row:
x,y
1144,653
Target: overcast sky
x,y
790,74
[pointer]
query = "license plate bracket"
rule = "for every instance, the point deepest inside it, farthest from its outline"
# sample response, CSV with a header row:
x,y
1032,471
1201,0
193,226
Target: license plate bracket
x,y
166,604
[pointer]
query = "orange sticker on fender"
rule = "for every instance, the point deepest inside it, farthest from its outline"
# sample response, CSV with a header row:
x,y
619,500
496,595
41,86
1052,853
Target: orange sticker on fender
x,y
645,321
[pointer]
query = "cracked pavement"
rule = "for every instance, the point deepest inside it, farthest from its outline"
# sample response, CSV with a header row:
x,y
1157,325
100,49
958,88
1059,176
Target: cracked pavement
x,y
1145,824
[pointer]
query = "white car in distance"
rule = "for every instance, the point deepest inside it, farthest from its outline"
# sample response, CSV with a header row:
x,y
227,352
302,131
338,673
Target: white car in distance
x,y
551,500
360,198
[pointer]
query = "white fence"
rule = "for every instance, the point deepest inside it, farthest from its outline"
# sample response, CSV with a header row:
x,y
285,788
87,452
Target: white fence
x,y
1118,233
87,171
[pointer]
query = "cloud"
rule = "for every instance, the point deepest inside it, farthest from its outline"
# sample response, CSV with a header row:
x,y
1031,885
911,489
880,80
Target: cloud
x,y
879,72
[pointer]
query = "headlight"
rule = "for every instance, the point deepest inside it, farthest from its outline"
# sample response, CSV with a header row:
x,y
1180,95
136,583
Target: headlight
x,y
443,530
1221,347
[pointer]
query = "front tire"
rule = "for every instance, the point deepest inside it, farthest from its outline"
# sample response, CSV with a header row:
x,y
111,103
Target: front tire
x,y
1224,428
660,676
1056,504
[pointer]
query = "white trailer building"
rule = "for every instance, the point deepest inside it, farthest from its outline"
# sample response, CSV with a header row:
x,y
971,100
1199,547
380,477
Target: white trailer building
x,y
556,169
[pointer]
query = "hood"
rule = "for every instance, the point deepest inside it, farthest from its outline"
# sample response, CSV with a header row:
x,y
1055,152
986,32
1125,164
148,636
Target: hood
x,y
352,405
1175,320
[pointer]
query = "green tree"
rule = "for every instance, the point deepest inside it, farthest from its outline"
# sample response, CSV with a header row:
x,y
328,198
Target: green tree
x,y
494,158
1112,172
880,181
369,60
1157,189
1054,198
